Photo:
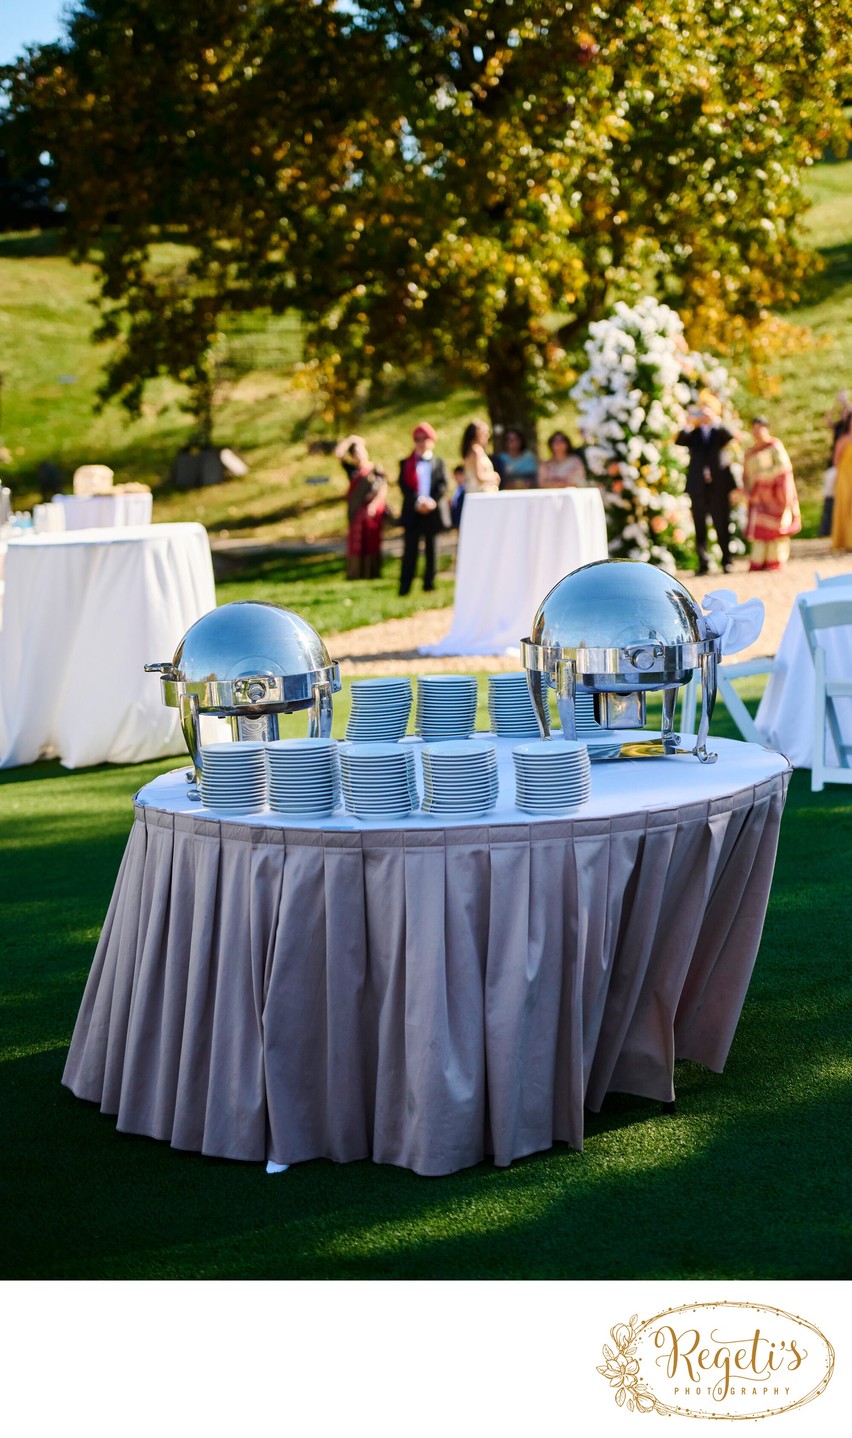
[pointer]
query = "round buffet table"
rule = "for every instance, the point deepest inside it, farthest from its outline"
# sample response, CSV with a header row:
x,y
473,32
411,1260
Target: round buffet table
x,y
426,991
83,613
513,547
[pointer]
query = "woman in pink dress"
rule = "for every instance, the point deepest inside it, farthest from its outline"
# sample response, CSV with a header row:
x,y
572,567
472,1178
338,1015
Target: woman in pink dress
x,y
565,469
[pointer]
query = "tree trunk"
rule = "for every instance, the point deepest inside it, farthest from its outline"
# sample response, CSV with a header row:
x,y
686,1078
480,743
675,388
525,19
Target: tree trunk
x,y
509,385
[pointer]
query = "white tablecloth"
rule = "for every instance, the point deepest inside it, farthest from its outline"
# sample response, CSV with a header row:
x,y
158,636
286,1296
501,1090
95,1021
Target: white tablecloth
x,y
513,548
628,783
105,511
84,612
785,718
426,992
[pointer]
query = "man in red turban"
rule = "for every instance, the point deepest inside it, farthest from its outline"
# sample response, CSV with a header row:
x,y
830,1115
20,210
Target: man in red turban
x,y
423,481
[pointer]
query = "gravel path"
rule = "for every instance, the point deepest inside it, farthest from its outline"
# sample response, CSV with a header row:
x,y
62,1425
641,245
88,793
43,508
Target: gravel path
x,y
391,648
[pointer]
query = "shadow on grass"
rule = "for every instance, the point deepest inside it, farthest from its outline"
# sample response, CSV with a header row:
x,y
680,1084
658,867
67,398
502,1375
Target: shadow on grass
x,y
710,1193
291,510
835,274
46,769
33,244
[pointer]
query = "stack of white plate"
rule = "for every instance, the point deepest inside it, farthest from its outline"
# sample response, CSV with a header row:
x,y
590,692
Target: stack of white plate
x,y
584,708
380,709
446,706
510,707
584,712
304,777
379,780
552,776
459,777
233,777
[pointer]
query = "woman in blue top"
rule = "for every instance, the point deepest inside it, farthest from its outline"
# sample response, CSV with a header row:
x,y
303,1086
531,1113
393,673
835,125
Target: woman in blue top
x,y
516,464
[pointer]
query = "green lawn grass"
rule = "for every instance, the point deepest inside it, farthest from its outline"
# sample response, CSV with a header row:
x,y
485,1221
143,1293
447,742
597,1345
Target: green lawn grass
x,y
314,584
51,374
749,1178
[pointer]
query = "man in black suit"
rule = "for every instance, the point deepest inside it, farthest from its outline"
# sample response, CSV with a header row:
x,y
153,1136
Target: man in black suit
x,y
709,483
423,481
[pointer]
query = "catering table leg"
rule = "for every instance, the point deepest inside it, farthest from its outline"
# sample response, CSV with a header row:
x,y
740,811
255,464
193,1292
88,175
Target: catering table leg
x,y
537,684
566,689
189,725
670,739
319,726
709,666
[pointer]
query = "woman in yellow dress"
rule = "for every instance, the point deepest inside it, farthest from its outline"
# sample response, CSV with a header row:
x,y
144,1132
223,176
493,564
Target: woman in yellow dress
x,y
841,518
773,504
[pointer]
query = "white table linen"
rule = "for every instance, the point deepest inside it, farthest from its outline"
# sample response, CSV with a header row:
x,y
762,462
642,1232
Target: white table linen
x,y
105,511
785,717
513,547
639,783
426,993
84,612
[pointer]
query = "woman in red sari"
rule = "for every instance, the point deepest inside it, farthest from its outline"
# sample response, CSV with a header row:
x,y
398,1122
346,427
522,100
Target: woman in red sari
x,y
365,502
773,504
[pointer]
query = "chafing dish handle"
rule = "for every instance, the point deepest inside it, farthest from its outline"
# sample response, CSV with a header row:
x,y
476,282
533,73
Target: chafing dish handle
x,y
159,668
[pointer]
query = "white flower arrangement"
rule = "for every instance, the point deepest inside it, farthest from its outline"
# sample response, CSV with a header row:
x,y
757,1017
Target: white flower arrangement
x,y
631,399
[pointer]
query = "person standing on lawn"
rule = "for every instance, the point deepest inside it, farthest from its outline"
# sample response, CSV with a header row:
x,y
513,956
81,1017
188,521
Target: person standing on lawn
x,y
709,481
423,481
365,507
773,504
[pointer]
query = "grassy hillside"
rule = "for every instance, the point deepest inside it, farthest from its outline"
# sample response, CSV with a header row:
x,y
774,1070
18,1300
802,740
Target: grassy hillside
x,y
51,372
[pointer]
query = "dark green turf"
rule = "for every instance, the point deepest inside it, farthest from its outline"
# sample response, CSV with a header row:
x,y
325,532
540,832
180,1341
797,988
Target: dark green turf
x,y
748,1179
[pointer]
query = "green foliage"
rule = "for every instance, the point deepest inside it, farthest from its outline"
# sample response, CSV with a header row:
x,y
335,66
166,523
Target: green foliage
x,y
428,186
45,315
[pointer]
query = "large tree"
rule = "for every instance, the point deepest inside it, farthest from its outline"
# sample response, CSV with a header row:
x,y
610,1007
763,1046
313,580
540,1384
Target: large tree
x,y
432,184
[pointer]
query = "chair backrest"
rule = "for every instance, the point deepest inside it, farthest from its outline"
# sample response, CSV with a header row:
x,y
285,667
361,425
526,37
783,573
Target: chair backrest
x,y
832,614
832,579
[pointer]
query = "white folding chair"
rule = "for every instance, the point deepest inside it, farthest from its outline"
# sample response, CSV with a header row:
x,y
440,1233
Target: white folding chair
x,y
725,675
834,614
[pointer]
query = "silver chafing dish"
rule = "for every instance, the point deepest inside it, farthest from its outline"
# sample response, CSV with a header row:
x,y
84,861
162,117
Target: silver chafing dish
x,y
620,629
249,662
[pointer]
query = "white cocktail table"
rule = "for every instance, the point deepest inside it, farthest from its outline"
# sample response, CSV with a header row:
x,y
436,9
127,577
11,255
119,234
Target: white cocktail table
x,y
513,548
83,613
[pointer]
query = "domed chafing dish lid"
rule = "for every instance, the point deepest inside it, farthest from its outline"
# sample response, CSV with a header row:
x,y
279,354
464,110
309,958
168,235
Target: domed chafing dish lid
x,y
247,638
616,604
248,654
621,624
